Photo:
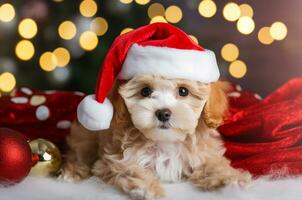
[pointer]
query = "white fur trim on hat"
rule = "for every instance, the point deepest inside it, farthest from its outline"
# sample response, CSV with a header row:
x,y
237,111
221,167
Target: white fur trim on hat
x,y
170,62
94,115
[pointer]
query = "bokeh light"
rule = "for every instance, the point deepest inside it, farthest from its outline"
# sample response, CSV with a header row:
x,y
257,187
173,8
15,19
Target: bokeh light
x,y
158,19
88,40
230,52
60,75
99,25
7,82
246,10
173,14
238,69
278,31
194,39
231,11
126,1
48,61
28,28
88,8
245,25
25,50
62,55
67,30
156,9
264,36
7,12
207,8
142,2
126,30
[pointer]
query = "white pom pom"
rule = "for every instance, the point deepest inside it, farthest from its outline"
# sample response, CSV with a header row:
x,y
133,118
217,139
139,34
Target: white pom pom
x,y
94,115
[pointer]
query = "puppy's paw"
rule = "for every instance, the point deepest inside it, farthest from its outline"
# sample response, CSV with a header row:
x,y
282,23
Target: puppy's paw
x,y
244,179
74,173
140,194
67,176
143,194
211,180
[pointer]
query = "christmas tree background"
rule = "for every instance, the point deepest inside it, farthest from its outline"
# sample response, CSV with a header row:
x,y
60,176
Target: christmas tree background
x,y
257,43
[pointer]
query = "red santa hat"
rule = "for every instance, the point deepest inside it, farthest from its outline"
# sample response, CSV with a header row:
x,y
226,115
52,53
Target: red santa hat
x,y
158,49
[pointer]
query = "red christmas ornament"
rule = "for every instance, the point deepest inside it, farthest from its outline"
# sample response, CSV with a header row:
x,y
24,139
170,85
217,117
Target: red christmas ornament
x,y
15,157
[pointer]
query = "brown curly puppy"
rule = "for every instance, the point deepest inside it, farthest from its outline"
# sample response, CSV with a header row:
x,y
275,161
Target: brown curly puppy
x,y
163,130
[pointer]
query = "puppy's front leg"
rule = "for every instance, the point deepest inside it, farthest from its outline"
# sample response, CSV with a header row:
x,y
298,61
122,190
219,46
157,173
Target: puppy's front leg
x,y
139,183
218,172
82,153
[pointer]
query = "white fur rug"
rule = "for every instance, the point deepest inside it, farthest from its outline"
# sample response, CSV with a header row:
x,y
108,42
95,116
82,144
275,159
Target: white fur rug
x,y
48,189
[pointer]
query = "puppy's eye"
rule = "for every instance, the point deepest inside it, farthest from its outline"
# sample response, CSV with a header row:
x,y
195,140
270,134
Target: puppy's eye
x,y
146,92
182,91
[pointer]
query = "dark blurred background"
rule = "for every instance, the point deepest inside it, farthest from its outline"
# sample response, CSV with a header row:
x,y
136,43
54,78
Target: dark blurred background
x,y
60,44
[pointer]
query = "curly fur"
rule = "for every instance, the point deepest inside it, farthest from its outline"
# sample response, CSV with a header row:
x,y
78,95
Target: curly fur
x,y
137,156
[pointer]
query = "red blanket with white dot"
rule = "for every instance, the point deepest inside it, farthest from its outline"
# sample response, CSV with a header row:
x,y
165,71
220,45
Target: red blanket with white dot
x,y
262,136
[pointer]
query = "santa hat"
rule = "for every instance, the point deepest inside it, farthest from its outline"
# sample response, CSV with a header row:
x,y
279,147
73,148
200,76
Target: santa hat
x,y
158,49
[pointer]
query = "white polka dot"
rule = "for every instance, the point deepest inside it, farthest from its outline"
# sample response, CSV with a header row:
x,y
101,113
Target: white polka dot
x,y
19,100
26,91
42,113
238,88
64,124
257,96
50,91
37,100
234,94
79,93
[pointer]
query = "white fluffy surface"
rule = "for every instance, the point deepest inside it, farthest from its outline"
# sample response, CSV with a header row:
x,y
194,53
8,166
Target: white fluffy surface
x,y
48,189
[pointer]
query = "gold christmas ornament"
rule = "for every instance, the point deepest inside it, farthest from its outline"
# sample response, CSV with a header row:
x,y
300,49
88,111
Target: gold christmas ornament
x,y
47,157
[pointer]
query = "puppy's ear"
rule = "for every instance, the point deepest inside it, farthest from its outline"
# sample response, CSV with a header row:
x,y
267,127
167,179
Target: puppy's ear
x,y
121,116
217,105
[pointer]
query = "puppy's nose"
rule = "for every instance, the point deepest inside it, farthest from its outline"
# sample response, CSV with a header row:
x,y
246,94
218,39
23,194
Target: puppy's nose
x,y
163,115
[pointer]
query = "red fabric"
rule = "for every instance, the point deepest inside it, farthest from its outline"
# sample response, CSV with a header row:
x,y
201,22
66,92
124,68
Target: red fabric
x,y
266,136
157,34
262,136
22,116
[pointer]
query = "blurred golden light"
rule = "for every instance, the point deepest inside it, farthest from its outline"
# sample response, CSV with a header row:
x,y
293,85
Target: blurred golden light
x,y
230,52
99,25
231,11
142,2
67,30
126,30
173,14
126,1
28,28
158,19
264,36
156,9
88,8
62,55
246,10
194,38
238,69
207,8
48,61
58,0
7,82
7,12
88,40
25,50
278,31
245,25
